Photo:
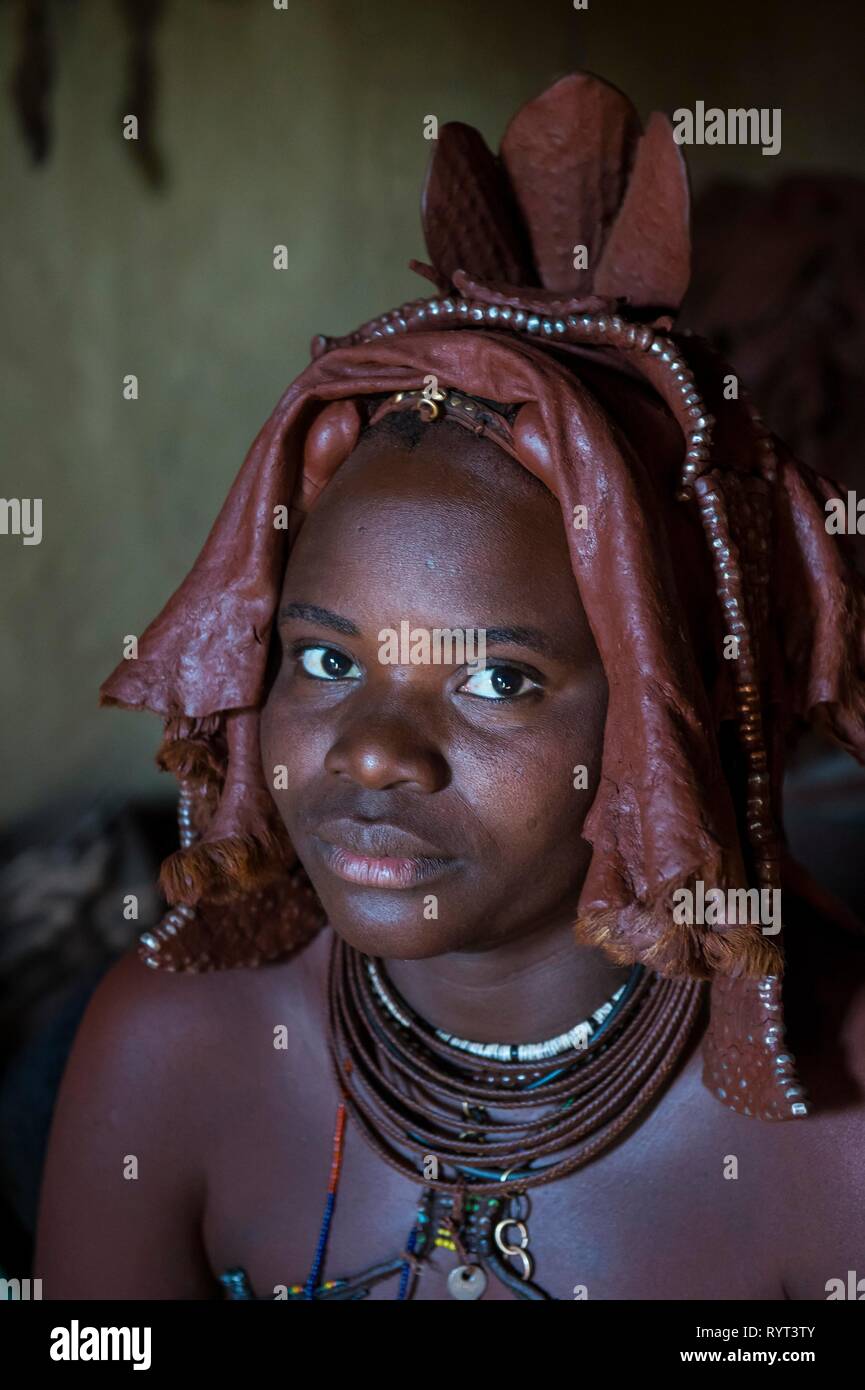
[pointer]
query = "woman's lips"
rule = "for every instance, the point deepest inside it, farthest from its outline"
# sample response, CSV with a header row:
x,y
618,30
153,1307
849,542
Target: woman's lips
x,y
382,871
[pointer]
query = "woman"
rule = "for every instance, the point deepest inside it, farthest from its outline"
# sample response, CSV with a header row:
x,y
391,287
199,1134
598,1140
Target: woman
x,y
515,1026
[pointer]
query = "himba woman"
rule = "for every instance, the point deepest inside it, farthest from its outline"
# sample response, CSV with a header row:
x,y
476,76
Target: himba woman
x,y
429,1016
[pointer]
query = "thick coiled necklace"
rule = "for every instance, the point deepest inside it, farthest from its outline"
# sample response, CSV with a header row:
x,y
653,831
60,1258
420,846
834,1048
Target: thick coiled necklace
x,y
481,1124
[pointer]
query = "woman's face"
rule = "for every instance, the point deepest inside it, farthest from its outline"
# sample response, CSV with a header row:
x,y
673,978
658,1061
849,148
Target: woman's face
x,y
433,805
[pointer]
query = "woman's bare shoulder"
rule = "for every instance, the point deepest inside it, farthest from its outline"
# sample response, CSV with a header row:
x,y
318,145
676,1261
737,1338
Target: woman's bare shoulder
x,y
137,1005
124,1183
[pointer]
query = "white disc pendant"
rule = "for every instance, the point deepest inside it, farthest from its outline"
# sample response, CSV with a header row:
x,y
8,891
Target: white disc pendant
x,y
466,1281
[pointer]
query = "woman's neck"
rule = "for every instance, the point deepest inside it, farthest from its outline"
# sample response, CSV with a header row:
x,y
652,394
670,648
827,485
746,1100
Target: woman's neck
x,y
525,990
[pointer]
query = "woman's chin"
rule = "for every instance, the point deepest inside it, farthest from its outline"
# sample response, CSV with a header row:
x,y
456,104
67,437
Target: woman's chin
x,y
394,934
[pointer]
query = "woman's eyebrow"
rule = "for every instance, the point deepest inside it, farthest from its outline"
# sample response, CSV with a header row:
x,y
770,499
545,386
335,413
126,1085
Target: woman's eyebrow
x,y
503,635
523,637
311,613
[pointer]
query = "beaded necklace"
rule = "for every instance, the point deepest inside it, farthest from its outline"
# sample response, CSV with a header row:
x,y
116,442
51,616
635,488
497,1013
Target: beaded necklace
x,y
414,1090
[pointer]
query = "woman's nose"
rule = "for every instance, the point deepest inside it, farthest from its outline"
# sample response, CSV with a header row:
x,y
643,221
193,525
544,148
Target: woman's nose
x,y
382,752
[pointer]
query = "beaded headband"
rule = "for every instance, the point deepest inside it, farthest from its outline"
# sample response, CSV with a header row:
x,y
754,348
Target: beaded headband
x,y
655,355
433,403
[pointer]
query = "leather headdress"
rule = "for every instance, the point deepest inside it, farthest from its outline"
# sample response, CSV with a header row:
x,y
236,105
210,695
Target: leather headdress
x,y
687,544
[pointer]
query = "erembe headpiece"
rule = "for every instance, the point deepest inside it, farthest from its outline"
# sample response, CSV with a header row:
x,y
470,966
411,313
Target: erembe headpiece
x,y
701,527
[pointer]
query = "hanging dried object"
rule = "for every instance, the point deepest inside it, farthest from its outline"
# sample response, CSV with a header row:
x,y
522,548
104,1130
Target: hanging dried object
x,y
33,79
141,18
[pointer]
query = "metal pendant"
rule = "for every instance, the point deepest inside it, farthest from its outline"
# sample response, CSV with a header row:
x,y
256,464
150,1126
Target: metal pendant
x,y
466,1281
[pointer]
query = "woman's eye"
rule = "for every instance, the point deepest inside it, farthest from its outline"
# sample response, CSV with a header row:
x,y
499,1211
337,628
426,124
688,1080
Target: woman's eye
x,y
326,663
499,683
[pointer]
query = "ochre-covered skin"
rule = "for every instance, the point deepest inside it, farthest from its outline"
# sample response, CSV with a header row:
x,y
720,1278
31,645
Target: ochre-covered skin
x,y
594,420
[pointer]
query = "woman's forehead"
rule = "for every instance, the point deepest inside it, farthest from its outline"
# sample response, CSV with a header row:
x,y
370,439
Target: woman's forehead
x,y
444,464
447,486
446,525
